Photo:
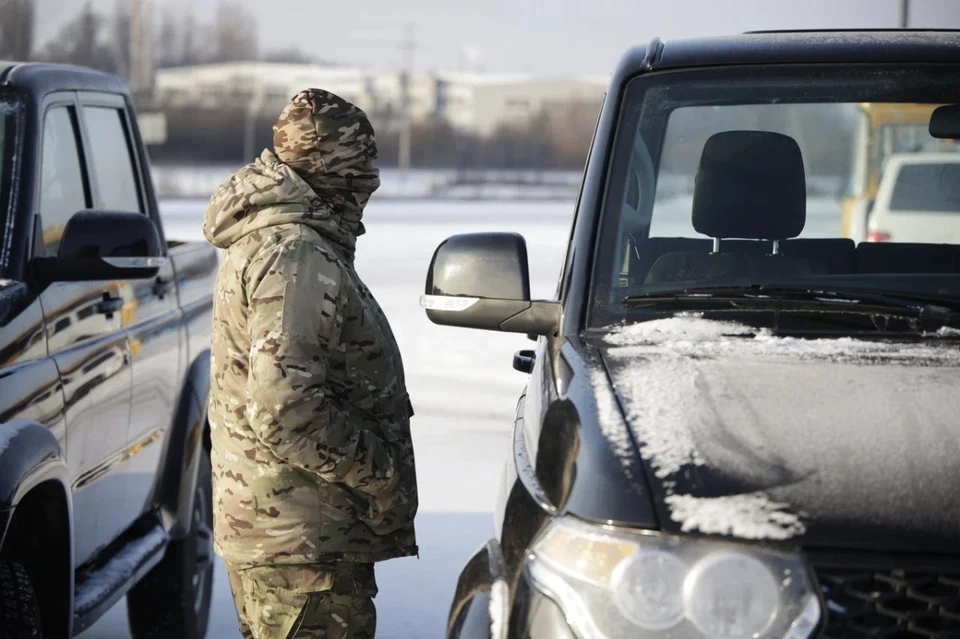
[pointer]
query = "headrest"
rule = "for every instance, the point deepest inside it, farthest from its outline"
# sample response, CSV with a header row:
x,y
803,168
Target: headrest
x,y
751,185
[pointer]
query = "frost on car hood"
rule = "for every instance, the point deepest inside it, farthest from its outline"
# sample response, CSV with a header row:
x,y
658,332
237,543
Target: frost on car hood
x,y
758,436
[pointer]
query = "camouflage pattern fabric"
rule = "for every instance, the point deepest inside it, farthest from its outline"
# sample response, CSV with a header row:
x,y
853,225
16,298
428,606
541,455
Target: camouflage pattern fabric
x,y
309,414
312,602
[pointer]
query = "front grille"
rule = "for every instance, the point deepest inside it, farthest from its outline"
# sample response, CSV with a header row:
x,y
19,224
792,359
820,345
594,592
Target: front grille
x,y
892,604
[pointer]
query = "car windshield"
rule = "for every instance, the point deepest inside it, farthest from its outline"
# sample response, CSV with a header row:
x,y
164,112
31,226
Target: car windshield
x,y
734,179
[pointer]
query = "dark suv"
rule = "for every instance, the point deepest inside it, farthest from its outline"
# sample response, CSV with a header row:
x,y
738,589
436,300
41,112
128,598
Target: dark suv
x,y
104,367
739,422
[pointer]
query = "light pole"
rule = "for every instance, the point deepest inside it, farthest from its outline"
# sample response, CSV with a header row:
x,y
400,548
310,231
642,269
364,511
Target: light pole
x,y
407,47
904,14
253,112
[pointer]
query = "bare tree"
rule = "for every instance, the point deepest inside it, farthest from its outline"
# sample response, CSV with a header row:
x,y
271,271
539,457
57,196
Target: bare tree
x,y
169,47
235,33
121,40
16,29
176,43
80,42
191,52
572,127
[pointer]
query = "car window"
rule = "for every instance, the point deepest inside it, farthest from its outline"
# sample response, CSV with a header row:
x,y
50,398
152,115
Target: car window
x,y
62,186
928,188
113,165
747,183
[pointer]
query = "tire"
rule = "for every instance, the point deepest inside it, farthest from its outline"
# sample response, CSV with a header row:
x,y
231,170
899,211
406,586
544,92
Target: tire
x,y
173,600
19,612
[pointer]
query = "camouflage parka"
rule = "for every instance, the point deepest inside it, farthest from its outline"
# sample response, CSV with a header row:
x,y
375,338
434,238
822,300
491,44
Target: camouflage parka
x,y
310,419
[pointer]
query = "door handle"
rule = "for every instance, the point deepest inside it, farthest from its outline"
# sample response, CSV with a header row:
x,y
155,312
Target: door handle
x,y
161,287
109,305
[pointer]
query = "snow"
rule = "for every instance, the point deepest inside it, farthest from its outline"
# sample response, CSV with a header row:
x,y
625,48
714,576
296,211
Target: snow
x,y
747,516
947,331
613,428
688,335
747,384
462,386
499,602
125,564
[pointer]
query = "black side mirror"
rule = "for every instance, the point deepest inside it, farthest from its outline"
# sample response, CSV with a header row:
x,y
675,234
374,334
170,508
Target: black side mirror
x,y
945,122
104,245
481,280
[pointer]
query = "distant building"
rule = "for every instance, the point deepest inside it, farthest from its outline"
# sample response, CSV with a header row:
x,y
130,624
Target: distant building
x,y
472,102
489,100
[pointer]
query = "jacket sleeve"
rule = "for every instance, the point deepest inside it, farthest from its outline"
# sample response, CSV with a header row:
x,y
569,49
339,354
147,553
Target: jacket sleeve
x,y
294,324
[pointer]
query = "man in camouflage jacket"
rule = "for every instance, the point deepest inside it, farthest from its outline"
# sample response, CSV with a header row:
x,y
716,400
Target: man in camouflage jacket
x,y
314,476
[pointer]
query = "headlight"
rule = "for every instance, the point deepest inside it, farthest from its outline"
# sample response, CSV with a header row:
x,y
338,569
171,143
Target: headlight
x,y
613,583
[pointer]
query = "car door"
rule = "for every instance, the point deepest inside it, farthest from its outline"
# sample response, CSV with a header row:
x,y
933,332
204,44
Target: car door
x,y
85,337
150,316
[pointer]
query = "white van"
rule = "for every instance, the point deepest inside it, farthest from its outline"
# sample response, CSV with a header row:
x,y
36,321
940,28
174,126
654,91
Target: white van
x,y
918,200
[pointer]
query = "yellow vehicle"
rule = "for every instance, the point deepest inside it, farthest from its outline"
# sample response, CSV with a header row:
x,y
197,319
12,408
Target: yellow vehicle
x,y
884,129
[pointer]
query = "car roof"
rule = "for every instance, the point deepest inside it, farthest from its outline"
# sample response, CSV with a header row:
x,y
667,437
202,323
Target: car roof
x,y
782,47
40,78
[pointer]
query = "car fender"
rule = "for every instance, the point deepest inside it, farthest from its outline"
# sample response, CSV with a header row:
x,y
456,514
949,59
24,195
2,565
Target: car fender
x,y
188,432
32,462
481,603
29,455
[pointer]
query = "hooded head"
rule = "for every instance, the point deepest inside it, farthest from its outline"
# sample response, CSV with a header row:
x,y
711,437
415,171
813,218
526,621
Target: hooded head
x,y
326,139
321,173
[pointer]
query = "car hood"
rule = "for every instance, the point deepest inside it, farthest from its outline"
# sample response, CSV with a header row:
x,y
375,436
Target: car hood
x,y
828,442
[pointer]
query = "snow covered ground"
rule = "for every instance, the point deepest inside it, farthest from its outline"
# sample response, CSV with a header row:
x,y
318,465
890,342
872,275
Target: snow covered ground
x,y
463,387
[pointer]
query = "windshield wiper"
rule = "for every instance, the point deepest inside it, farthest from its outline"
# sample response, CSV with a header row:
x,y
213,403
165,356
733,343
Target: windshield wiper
x,y
928,309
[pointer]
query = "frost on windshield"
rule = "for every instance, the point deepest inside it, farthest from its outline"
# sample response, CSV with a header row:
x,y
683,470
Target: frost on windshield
x,y
676,401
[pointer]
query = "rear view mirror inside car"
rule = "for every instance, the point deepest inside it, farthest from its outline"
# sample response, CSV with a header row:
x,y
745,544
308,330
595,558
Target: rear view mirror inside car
x,y
945,122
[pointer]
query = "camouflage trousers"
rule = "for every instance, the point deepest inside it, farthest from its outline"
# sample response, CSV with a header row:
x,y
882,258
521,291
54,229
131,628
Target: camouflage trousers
x,y
330,601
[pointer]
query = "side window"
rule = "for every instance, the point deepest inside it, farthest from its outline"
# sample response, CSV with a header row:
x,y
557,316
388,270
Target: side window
x,y
113,168
62,191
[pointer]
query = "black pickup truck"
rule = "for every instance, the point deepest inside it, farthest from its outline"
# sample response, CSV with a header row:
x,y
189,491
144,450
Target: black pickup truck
x,y
104,366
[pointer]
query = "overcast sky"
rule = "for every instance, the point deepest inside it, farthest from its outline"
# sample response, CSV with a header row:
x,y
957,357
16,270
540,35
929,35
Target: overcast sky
x,y
538,36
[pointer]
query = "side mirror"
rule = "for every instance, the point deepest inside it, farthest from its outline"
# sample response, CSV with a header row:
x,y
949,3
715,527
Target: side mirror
x,y
945,122
104,245
480,280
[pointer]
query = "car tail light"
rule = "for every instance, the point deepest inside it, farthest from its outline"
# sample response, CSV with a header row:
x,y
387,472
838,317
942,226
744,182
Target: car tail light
x,y
878,236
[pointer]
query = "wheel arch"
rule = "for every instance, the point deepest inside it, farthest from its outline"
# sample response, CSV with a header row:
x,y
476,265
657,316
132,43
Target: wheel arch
x,y
188,432
37,530
481,605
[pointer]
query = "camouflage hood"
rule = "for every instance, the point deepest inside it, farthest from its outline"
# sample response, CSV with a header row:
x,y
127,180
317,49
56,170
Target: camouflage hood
x,y
320,174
